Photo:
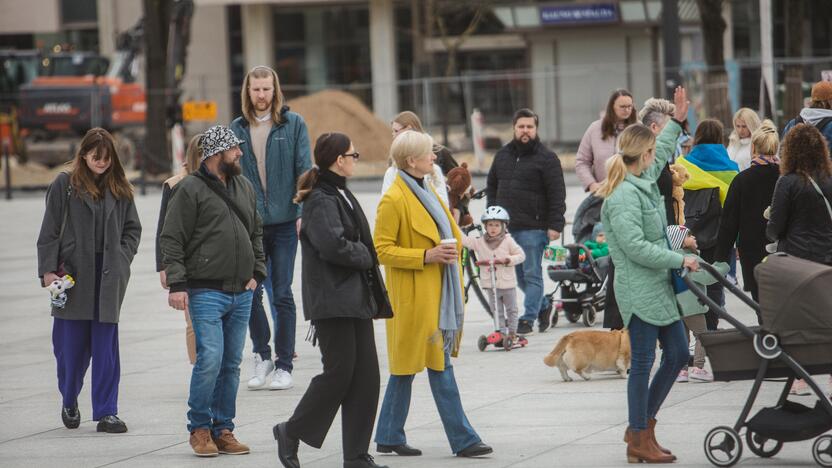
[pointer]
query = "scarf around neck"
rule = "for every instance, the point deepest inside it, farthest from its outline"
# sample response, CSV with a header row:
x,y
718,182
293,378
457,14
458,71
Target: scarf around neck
x,y
451,311
763,160
494,241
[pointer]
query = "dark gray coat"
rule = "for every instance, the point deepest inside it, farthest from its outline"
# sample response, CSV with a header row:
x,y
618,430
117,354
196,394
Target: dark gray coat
x,y
122,231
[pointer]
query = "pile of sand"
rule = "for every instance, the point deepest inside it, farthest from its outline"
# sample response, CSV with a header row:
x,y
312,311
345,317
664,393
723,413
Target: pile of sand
x,y
338,111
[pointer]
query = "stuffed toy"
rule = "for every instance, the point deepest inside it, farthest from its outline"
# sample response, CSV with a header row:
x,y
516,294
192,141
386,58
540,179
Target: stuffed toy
x,y
680,175
58,290
460,192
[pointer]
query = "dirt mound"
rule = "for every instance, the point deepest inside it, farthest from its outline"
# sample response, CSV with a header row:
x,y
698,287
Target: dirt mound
x,y
338,111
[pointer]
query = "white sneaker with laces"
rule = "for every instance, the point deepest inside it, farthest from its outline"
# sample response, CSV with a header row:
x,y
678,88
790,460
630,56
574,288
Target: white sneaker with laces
x,y
698,375
683,376
281,380
261,372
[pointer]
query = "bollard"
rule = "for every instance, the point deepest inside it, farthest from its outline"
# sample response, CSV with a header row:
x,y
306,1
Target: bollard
x,y
8,170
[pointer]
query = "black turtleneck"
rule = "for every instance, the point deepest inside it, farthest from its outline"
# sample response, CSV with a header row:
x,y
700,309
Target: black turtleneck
x,y
333,179
419,180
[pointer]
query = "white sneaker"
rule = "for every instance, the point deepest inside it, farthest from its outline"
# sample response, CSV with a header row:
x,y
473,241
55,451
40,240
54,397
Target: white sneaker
x,y
696,374
281,380
261,372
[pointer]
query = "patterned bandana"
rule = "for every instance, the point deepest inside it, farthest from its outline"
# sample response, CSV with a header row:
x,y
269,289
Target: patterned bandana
x,y
217,139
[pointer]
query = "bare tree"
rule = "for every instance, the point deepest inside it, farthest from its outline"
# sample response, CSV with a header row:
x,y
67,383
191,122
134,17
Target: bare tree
x,y
716,78
157,14
793,99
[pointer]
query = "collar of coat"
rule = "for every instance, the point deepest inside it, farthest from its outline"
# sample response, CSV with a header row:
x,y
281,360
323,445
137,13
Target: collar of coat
x,y
644,185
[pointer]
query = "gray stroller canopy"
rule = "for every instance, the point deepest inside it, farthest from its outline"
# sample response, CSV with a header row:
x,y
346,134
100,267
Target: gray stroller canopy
x,y
795,299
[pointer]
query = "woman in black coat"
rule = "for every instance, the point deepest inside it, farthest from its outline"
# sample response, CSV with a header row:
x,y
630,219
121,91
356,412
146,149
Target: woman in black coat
x,y
342,294
90,231
748,196
801,221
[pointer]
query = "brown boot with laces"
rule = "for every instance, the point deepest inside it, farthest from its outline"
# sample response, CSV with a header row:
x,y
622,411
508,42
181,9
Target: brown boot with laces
x,y
640,449
229,445
202,444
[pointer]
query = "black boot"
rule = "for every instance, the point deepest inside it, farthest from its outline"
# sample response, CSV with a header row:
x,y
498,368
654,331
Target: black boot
x,y
71,416
363,461
111,424
287,447
477,450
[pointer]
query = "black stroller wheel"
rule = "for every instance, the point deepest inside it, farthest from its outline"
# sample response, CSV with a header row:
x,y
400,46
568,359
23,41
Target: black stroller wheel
x,y
572,315
482,343
761,446
723,446
589,316
822,450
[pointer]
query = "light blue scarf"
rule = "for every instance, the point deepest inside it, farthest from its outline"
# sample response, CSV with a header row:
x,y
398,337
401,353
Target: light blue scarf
x,y
451,310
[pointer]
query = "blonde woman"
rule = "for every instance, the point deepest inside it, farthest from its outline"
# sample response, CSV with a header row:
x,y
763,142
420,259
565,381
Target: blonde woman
x,y
192,156
746,122
418,243
748,196
635,223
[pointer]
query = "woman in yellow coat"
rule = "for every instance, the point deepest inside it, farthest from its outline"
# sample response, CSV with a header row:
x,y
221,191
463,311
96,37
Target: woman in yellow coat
x,y
424,282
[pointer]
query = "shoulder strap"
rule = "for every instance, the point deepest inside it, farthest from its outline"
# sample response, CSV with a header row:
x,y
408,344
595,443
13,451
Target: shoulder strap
x,y
66,212
825,200
228,201
823,123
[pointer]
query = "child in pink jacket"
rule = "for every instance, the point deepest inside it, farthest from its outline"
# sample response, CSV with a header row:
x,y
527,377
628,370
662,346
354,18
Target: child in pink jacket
x,y
496,244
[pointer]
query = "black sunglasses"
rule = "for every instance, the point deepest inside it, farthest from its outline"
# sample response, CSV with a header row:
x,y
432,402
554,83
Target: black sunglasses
x,y
352,155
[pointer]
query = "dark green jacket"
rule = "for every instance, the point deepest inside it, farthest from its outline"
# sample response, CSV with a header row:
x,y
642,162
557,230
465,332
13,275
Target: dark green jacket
x,y
204,243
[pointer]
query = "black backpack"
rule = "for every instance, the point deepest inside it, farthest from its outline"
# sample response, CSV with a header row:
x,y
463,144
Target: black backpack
x,y
821,124
702,212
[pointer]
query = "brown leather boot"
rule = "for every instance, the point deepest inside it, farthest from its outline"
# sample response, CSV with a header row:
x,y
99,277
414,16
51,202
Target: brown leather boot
x,y
229,445
202,444
651,426
640,449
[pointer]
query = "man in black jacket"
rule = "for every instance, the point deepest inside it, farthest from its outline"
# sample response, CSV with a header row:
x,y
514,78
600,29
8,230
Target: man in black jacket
x,y
526,179
212,252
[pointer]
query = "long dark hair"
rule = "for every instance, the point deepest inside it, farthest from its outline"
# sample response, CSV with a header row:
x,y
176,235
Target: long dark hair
x,y
709,131
99,141
327,149
608,123
804,152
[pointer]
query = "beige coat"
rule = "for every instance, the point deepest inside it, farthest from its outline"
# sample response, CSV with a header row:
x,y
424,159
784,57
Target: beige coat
x,y
508,248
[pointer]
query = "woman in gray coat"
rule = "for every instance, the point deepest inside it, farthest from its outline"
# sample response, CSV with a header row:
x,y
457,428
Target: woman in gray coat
x,y
91,232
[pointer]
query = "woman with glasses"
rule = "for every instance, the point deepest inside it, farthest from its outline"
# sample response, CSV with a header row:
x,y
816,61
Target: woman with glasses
x,y
342,294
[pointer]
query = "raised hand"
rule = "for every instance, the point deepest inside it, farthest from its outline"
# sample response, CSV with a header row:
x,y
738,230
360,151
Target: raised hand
x,y
680,99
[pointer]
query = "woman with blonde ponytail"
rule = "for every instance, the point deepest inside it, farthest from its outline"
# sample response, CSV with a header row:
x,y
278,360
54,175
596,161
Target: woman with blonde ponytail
x,y
635,220
748,196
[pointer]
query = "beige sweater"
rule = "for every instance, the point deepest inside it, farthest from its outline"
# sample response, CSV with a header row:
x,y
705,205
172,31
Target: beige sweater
x,y
259,138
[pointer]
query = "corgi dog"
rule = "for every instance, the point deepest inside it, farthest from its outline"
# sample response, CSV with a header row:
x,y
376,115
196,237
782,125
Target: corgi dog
x,y
583,352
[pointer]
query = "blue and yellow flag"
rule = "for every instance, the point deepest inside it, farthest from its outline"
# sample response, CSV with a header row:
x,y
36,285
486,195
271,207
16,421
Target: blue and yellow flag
x,y
709,167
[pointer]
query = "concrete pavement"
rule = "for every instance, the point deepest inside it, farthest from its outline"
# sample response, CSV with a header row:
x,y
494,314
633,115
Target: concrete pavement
x,y
516,403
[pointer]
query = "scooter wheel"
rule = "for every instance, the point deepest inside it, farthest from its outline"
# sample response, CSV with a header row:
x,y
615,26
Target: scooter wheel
x,y
482,343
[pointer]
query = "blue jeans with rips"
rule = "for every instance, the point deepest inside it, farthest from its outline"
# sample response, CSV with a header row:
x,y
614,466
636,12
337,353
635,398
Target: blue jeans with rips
x,y
219,320
530,272
280,243
644,402
394,409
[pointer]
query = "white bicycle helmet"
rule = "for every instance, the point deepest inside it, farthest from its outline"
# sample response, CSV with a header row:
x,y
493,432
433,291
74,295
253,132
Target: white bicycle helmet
x,y
495,213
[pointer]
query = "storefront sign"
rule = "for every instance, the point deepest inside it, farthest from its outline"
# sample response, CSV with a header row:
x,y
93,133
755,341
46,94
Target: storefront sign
x,y
579,14
199,110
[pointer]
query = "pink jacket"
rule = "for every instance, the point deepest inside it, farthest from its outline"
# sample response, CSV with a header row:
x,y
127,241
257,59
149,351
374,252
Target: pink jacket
x,y
593,153
508,248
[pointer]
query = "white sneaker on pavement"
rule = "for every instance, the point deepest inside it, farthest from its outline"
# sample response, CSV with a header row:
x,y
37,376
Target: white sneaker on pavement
x,y
683,376
281,380
261,372
698,375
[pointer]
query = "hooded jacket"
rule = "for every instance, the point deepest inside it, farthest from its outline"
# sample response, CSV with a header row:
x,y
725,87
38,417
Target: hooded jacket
x,y
287,157
814,117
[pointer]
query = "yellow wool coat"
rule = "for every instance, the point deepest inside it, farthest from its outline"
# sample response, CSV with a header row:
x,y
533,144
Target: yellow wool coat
x,y
404,231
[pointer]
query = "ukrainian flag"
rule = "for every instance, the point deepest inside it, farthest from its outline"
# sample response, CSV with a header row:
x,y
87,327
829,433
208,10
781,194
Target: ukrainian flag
x,y
709,167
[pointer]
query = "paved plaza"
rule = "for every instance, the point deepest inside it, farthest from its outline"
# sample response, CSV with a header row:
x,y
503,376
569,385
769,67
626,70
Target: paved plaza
x,y
516,403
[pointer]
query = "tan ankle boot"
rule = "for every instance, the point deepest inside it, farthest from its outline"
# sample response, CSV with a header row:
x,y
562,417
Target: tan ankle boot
x,y
229,445
641,449
202,444
651,426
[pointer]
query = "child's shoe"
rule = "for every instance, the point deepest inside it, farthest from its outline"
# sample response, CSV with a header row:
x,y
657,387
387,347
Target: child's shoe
x,y
683,376
700,375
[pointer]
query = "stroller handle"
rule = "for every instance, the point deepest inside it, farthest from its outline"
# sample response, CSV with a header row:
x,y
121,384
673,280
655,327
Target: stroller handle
x,y
722,313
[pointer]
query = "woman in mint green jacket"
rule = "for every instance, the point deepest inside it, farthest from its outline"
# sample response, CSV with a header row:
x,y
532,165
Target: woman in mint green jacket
x,y
635,220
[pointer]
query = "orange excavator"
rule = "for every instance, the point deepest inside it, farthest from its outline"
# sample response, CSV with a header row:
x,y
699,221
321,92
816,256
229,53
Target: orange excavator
x,y
78,91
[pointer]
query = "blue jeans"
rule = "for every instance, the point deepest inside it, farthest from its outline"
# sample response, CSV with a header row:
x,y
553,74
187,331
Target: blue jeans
x,y
530,272
394,409
644,402
219,319
280,243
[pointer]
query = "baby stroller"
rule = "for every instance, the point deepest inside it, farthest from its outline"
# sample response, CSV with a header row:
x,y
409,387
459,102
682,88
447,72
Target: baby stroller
x,y
794,341
582,282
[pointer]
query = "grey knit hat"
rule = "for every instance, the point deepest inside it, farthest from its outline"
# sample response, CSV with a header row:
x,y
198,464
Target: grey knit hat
x,y
217,139
676,235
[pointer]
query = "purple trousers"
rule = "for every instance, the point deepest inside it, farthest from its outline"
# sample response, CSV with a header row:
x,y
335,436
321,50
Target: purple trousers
x,y
75,342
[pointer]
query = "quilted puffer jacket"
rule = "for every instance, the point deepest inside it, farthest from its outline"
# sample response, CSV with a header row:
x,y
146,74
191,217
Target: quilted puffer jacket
x,y
635,222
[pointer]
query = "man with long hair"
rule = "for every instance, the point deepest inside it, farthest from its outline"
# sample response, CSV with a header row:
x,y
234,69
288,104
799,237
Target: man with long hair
x,y
275,155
